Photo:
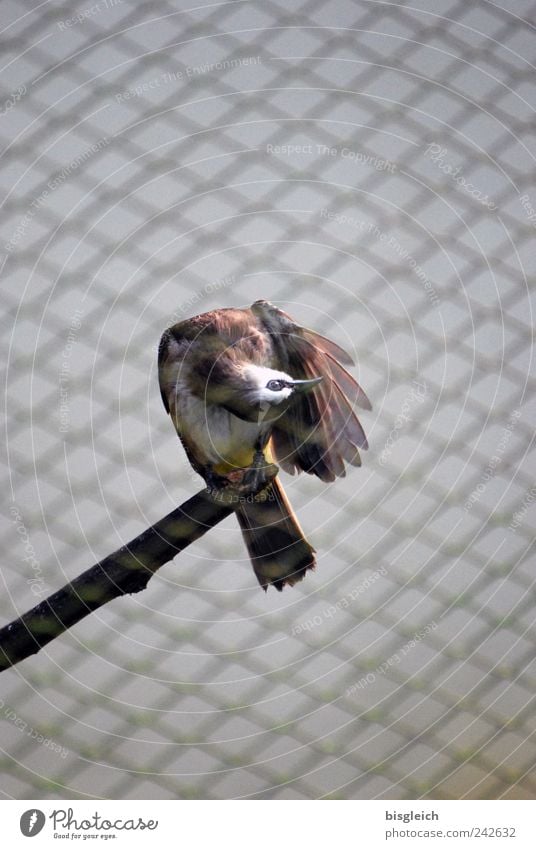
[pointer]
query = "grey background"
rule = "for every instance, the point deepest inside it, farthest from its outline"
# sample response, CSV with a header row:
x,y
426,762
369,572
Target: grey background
x,y
131,199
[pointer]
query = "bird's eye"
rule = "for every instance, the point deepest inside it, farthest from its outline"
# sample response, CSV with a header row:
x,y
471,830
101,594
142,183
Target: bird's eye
x,y
274,385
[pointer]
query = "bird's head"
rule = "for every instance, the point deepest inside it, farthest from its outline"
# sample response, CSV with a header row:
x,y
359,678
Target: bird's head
x,y
267,387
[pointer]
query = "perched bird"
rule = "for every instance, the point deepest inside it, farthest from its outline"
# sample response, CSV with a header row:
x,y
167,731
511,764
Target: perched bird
x,y
245,388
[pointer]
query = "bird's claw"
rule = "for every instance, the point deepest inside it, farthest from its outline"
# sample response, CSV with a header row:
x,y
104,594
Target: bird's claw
x,y
243,484
258,476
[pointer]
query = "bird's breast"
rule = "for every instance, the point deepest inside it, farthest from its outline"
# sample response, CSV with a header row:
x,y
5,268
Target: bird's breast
x,y
216,436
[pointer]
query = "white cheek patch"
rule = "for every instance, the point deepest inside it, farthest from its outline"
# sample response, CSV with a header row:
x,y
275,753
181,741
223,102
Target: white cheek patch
x,y
260,376
268,397
285,393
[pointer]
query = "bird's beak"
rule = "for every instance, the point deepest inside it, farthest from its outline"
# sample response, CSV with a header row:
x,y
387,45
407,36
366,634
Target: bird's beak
x,y
305,385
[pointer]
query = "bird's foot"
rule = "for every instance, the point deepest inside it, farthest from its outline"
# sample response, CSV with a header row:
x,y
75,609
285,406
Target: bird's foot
x,y
242,484
258,475
218,486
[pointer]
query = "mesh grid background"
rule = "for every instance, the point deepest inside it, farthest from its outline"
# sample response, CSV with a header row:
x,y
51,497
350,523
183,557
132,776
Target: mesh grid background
x,y
147,177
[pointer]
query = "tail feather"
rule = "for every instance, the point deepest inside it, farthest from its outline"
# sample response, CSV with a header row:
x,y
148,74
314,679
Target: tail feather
x,y
279,552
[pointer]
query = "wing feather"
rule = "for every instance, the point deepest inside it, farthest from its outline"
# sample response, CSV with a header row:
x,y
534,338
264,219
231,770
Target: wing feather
x,y
327,346
348,383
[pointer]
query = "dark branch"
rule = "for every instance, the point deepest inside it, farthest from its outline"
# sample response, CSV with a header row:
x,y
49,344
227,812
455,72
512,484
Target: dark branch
x,y
127,570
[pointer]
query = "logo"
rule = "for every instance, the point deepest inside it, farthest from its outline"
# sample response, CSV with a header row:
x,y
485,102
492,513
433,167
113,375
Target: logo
x,y
31,822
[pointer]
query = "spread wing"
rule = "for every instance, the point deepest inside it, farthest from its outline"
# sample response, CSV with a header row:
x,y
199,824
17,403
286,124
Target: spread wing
x,y
320,430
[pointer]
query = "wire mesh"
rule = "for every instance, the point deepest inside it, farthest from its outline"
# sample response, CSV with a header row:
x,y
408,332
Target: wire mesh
x,y
369,167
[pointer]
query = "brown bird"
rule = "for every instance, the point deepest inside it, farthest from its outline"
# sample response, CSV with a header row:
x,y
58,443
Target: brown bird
x,y
245,388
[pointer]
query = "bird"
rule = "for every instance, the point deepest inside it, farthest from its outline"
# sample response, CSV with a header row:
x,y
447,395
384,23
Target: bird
x,y
249,392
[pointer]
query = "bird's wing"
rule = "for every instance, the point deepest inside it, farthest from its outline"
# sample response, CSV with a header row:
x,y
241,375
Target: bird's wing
x,y
319,431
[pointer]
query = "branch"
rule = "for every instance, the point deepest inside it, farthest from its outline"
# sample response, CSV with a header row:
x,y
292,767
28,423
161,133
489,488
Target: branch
x,y
127,570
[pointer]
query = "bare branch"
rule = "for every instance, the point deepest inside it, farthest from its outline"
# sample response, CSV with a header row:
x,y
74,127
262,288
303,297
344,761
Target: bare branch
x,y
127,570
